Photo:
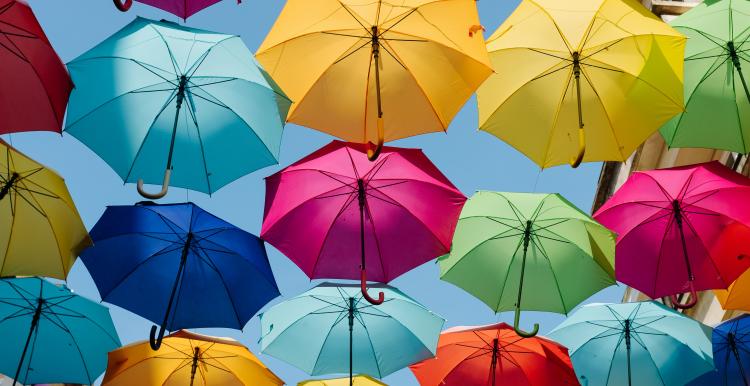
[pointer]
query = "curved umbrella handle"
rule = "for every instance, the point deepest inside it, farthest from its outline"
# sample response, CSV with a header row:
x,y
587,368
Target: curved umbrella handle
x,y
522,333
154,341
575,162
164,187
692,300
372,154
363,287
123,6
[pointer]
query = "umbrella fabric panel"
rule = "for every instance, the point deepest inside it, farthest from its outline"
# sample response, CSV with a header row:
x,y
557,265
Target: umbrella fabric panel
x,y
731,343
181,8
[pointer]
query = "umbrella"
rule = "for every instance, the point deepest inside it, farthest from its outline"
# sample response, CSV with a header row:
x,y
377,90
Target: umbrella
x,y
179,266
35,83
317,329
374,71
733,242
41,232
495,355
610,65
399,212
635,344
731,341
506,243
357,380
228,114
50,334
181,8
204,360
667,223
716,91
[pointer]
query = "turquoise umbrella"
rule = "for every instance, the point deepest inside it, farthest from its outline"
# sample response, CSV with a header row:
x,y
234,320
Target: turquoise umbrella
x,y
635,344
167,104
51,335
318,330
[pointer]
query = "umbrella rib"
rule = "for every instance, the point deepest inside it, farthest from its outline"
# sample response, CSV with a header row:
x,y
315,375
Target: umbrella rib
x,y
351,13
169,50
703,244
200,141
377,241
138,266
344,207
75,343
538,244
372,347
606,113
224,284
507,275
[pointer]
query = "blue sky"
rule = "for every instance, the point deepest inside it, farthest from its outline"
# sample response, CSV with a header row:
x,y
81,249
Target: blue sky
x,y
473,160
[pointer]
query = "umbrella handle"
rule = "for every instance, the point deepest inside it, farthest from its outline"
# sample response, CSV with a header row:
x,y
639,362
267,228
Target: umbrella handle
x,y
123,6
154,341
164,187
363,286
692,301
581,149
372,154
474,29
519,331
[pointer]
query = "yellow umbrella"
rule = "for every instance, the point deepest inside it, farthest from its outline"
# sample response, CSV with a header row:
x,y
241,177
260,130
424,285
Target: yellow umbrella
x,y
42,232
372,70
610,66
187,358
359,380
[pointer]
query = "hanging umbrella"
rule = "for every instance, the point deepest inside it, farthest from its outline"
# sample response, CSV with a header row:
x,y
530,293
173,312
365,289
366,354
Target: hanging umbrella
x,y
667,222
188,358
635,344
397,213
526,251
495,355
41,232
731,341
181,8
733,242
315,331
163,103
716,91
179,266
610,66
374,71
35,84
357,380
50,334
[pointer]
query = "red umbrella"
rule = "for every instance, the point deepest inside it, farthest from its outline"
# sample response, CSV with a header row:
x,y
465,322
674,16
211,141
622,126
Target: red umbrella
x,y
338,215
181,8
34,84
495,355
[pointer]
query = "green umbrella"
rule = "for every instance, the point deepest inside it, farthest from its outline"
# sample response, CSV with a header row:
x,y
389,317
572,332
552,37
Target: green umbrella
x,y
507,242
717,110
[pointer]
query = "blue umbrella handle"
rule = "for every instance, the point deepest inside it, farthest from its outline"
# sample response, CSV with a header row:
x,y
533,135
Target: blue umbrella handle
x,y
123,6
519,331
155,341
363,285
692,301
164,187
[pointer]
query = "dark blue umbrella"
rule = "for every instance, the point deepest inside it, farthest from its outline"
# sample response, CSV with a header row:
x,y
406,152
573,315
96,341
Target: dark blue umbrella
x,y
731,341
179,266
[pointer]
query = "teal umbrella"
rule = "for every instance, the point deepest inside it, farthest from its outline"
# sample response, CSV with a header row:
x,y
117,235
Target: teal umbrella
x,y
167,104
318,330
51,335
635,344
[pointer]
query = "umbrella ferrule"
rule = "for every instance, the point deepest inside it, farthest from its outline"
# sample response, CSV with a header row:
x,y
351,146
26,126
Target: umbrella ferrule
x,y
375,41
628,325
181,91
351,314
8,185
677,212
733,54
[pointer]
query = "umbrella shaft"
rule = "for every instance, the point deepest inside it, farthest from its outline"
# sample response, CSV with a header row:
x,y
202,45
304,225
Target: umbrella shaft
x,y
178,279
495,356
8,185
351,341
526,241
577,76
736,353
376,59
362,203
34,326
679,220
738,66
627,347
180,98
194,367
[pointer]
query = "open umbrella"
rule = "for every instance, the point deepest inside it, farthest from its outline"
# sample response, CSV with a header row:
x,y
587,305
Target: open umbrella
x,y
181,8
495,355
716,91
525,251
374,71
162,103
41,232
398,213
179,266
583,80
316,330
50,334
731,342
34,84
188,358
668,222
357,380
635,344
733,242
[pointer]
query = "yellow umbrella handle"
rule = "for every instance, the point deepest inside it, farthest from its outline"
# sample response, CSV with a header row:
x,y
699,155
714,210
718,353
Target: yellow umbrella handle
x,y
123,6
474,29
574,162
372,154
164,187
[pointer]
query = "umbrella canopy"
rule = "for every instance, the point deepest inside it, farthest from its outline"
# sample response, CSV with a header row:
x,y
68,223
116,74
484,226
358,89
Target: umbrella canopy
x,y
495,355
51,335
635,344
188,358
181,8
398,69
733,242
179,266
585,80
337,215
34,82
731,341
525,251
357,380
317,330
668,222
41,232
716,91
167,104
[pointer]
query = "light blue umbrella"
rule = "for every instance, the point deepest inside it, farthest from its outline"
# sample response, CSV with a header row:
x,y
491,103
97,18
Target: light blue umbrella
x,y
51,335
635,344
167,104
318,330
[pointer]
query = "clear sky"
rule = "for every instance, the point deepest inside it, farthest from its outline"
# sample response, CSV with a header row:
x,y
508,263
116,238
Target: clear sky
x,y
471,159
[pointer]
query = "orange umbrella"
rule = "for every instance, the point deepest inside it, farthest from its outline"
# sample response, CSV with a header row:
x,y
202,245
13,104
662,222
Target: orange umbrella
x,y
732,244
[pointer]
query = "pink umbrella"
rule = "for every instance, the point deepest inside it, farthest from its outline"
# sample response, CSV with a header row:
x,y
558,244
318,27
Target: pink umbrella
x,y
399,211
668,222
181,8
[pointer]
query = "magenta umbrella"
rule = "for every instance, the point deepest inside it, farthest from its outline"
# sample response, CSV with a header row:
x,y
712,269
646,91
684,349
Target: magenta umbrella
x,y
338,215
181,8
668,222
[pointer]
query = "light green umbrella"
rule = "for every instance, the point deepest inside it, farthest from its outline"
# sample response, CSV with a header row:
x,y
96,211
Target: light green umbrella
x,y
717,98
524,251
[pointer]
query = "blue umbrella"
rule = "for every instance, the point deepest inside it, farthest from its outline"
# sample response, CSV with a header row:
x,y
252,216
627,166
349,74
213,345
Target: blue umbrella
x,y
731,341
49,334
179,266
167,104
